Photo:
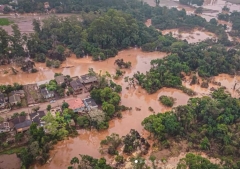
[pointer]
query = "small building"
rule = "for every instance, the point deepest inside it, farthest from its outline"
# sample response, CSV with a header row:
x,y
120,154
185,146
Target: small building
x,y
21,93
36,118
46,93
76,105
32,93
14,100
77,86
20,123
16,120
2,100
60,79
4,127
24,126
88,80
90,104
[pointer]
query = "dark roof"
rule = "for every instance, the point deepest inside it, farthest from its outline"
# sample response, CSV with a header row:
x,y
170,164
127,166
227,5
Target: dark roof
x,y
36,116
76,84
88,78
26,123
2,98
45,92
18,120
17,92
60,79
14,98
90,102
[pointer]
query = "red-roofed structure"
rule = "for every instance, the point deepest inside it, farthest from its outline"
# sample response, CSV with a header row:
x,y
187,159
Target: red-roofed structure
x,y
76,105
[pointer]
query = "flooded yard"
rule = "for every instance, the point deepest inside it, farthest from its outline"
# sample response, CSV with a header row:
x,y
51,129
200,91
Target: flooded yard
x,y
88,141
193,36
9,162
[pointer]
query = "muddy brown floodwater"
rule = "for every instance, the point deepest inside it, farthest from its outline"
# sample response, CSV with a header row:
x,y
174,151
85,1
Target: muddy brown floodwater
x,y
193,36
88,142
9,161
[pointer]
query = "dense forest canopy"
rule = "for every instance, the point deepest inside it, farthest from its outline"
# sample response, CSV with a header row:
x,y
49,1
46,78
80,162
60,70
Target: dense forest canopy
x,y
100,31
207,61
235,19
208,124
102,38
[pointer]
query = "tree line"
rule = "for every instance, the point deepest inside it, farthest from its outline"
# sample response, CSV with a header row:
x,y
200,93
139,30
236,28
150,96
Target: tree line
x,y
102,37
187,58
164,18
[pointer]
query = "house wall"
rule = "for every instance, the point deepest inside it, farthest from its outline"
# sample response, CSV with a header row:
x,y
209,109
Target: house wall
x,y
14,103
4,130
23,129
79,109
49,96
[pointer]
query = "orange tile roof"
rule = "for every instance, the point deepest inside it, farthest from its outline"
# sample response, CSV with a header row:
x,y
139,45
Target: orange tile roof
x,y
75,103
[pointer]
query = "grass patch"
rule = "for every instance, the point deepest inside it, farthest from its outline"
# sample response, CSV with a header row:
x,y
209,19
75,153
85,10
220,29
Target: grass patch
x,y
12,150
4,22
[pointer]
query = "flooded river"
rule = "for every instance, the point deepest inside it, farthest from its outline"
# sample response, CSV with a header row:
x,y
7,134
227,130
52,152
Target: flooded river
x,y
88,141
193,36
9,162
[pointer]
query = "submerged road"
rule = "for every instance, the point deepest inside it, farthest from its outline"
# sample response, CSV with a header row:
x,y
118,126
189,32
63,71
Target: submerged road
x,y
43,106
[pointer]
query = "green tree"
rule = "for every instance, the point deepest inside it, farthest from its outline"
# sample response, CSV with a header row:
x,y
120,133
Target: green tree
x,y
65,105
108,108
192,161
205,144
74,161
56,126
83,121
49,107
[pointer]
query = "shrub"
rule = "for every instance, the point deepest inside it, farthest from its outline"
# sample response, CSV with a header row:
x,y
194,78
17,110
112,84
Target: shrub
x,y
167,101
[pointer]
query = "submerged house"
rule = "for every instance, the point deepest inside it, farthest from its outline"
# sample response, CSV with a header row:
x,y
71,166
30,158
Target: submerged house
x,y
4,127
24,126
36,118
32,93
90,104
21,93
20,123
60,79
46,93
88,80
77,86
14,99
76,105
